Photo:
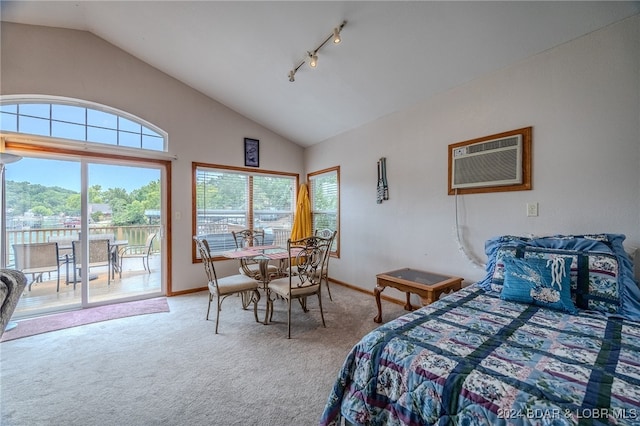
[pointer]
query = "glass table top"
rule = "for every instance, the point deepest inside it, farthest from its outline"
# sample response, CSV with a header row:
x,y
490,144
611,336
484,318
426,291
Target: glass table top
x,y
417,276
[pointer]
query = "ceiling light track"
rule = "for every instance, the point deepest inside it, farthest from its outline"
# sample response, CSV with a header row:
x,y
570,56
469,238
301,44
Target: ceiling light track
x,y
312,56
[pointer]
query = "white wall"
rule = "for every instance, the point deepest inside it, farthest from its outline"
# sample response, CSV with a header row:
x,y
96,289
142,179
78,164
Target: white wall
x,y
583,101
76,64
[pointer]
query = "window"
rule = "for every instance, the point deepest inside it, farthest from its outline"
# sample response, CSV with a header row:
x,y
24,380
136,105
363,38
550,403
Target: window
x,y
227,199
79,121
324,191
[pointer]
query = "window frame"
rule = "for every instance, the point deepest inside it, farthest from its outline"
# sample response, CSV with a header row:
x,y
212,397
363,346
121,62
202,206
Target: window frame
x,y
336,169
250,172
90,109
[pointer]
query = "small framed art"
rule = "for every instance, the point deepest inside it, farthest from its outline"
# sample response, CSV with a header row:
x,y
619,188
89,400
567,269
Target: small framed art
x,y
251,152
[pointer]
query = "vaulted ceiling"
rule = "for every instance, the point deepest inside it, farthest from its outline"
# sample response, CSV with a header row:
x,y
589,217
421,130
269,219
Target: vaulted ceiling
x,y
393,54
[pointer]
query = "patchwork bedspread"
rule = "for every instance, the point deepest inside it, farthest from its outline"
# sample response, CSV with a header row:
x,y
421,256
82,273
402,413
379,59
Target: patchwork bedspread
x,y
472,358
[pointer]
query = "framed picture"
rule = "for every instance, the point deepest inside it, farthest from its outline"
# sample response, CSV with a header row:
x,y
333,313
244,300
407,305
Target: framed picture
x,y
251,152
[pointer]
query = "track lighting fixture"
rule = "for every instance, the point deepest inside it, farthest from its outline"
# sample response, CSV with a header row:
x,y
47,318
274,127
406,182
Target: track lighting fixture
x,y
312,56
313,59
336,35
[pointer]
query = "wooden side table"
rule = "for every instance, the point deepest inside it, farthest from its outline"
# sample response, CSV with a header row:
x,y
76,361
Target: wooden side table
x,y
427,285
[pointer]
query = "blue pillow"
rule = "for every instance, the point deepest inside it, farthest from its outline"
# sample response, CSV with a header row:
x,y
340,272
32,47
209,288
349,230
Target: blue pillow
x,y
542,282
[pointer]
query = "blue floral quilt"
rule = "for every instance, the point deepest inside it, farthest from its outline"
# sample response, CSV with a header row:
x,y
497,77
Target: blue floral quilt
x,y
474,359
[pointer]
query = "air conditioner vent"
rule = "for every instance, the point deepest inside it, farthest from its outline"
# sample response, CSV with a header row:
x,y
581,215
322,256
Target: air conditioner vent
x,y
496,162
492,145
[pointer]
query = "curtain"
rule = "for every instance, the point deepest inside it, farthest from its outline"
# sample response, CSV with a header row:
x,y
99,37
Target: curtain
x,y
302,219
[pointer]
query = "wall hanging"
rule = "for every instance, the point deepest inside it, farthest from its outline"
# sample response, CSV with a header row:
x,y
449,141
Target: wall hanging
x,y
383,186
251,152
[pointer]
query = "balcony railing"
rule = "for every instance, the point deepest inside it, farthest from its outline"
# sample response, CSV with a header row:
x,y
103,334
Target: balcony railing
x,y
135,235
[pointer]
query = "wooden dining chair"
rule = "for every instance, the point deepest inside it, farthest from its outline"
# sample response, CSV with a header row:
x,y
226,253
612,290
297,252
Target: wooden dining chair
x,y
308,257
221,288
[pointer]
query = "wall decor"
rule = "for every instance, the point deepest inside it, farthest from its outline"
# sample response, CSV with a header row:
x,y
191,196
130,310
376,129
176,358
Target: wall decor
x,y
383,186
251,152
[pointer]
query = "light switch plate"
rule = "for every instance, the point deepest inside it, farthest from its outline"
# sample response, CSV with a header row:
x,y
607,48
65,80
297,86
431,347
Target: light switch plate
x,y
532,209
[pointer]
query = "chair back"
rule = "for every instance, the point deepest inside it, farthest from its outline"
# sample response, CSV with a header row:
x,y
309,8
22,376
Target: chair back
x,y
308,258
149,242
36,256
110,237
248,238
99,252
207,261
327,233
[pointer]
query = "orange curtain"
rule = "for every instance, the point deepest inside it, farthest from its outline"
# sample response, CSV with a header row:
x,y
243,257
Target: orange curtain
x,y
302,219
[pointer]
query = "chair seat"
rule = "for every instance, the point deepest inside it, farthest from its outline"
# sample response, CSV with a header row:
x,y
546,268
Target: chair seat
x,y
233,284
281,287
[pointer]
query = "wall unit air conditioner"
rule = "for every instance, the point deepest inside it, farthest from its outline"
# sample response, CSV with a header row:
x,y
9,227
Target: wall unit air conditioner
x,y
493,163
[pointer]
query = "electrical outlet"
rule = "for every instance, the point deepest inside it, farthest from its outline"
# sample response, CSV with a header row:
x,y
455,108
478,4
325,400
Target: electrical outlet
x,y
532,209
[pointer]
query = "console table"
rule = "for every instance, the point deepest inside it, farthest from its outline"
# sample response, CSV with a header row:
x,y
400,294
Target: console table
x,y
427,285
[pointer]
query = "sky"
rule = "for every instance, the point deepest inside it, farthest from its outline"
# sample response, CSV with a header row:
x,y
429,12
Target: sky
x,y
66,174
75,122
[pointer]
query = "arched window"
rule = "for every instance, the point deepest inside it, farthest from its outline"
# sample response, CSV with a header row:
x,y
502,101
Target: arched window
x,y
79,121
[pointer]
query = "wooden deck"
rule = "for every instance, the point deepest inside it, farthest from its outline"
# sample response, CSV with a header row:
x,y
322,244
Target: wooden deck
x,y
135,283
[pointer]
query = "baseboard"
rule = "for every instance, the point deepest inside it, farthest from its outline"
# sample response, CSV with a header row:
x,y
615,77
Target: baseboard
x,y
338,282
362,290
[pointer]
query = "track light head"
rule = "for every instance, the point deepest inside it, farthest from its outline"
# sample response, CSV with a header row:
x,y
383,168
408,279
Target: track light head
x,y
292,75
336,35
313,59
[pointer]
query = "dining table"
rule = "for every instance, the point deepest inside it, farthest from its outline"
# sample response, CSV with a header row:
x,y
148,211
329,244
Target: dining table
x,y
263,255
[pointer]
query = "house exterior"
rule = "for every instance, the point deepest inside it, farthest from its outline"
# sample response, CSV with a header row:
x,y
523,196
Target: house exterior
x,y
582,99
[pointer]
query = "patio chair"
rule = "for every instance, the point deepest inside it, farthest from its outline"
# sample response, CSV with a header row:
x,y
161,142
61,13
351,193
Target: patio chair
x,y
141,251
240,284
99,255
327,233
308,257
250,267
36,259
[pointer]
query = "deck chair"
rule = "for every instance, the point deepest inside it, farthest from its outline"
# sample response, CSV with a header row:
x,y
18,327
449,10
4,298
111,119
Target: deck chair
x,y
142,251
99,255
36,259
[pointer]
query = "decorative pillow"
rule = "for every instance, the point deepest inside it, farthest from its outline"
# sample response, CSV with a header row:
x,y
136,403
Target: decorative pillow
x,y
542,282
601,278
497,278
594,277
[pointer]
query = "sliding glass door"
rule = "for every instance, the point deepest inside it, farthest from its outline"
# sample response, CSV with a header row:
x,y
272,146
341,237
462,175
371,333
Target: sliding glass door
x,y
85,231
124,212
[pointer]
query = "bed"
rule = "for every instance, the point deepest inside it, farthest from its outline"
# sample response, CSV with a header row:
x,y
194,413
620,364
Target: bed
x,y
551,335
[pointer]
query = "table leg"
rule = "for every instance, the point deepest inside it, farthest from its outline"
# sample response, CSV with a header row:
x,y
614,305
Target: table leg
x,y
376,293
408,306
264,274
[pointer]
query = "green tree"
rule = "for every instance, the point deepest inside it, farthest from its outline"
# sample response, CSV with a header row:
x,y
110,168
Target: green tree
x,y
42,211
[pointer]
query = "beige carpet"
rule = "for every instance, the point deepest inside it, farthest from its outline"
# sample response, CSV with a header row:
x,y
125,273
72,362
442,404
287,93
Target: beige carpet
x,y
47,323
171,369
